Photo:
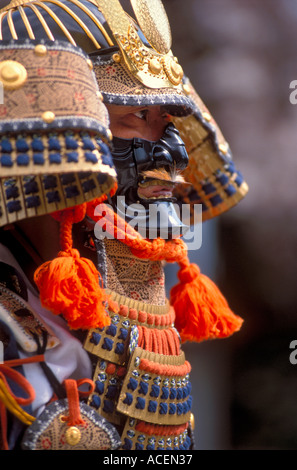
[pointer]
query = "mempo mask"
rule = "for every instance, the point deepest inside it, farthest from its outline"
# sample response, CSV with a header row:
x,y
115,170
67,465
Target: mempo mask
x,y
141,163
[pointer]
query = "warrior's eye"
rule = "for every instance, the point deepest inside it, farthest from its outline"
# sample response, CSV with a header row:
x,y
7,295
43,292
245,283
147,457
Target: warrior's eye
x,y
142,114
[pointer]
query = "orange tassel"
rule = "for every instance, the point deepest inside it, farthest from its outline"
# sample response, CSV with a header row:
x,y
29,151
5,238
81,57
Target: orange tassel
x,y
74,418
69,285
201,310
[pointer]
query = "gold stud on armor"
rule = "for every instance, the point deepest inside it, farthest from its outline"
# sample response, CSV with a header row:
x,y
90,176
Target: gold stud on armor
x,y
12,74
40,49
48,116
186,89
192,421
176,69
206,116
155,66
172,69
72,435
224,148
99,95
117,58
90,64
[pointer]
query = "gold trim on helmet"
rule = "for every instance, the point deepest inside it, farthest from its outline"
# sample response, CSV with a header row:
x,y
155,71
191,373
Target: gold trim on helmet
x,y
153,21
42,21
153,69
144,71
152,63
20,5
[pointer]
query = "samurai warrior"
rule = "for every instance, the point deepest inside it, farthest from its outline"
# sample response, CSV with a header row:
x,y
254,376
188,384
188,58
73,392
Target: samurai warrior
x,y
103,140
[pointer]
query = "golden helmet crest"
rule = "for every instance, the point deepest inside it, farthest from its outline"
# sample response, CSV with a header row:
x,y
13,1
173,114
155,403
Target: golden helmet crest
x,y
147,54
134,65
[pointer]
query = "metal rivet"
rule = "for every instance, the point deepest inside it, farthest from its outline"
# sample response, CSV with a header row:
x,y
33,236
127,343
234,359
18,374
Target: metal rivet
x,y
155,66
62,418
72,435
187,89
224,148
90,64
173,70
206,116
48,117
176,69
99,95
40,49
12,74
116,57
192,421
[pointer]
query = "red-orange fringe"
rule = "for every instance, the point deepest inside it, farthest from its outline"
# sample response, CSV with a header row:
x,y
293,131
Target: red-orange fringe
x,y
70,285
201,310
165,369
152,319
159,341
159,430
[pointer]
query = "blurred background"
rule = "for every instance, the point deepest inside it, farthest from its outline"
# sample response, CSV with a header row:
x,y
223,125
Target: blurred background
x,y
241,58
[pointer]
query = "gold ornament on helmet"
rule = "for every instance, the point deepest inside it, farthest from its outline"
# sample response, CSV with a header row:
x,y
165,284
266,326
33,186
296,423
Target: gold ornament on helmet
x,y
134,65
153,21
154,67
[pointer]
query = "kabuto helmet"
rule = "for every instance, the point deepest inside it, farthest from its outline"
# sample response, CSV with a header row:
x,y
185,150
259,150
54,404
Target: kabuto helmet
x,y
54,159
133,64
130,49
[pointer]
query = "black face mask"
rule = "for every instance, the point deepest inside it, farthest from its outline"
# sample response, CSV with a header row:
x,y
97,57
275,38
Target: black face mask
x,y
131,158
